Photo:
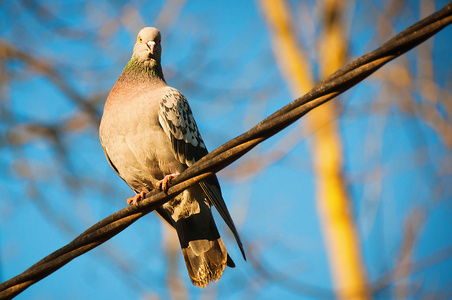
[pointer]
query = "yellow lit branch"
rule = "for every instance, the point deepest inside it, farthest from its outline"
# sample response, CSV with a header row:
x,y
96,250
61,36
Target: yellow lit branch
x,y
335,207
342,241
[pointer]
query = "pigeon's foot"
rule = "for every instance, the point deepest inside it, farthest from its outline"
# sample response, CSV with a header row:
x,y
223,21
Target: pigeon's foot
x,y
134,200
163,184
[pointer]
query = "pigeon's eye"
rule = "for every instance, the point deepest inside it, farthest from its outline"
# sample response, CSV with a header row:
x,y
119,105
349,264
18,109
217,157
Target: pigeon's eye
x,y
140,39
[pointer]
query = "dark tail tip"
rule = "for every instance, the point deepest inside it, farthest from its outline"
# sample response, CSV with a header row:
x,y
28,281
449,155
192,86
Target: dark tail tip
x,y
206,261
230,262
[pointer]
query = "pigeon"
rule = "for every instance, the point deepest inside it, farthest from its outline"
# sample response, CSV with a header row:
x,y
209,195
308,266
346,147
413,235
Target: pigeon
x,y
149,136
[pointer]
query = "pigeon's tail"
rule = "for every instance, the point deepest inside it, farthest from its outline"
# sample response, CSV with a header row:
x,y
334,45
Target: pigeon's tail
x,y
205,255
205,261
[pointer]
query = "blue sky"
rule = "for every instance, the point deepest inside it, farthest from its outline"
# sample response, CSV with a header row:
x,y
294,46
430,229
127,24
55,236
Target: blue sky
x,y
397,164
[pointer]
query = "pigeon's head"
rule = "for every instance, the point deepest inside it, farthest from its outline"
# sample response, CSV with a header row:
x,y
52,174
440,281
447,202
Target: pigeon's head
x,y
148,48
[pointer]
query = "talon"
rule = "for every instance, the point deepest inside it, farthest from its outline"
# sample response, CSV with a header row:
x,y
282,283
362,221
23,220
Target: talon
x,y
163,184
134,200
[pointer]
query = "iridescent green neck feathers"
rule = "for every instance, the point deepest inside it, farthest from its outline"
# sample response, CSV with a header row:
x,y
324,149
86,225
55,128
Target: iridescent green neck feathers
x,y
145,69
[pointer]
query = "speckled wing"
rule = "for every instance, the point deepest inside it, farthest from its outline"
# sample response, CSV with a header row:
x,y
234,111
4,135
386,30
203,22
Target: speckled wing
x,y
177,121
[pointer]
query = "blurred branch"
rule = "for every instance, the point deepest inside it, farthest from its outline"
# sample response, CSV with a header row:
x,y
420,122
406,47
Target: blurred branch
x,y
46,17
218,159
265,270
414,222
8,52
291,58
169,13
415,267
333,204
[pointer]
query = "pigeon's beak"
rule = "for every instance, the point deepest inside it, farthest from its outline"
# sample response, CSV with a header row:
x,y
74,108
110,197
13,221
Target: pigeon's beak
x,y
151,46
